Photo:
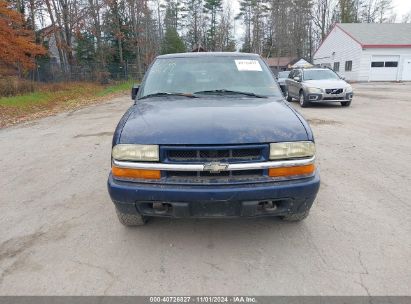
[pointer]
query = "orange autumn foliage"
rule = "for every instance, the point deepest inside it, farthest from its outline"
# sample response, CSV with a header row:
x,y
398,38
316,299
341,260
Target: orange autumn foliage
x,y
17,45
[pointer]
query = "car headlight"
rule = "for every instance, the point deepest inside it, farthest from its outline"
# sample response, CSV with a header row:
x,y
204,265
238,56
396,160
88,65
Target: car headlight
x,y
135,152
284,150
348,89
314,90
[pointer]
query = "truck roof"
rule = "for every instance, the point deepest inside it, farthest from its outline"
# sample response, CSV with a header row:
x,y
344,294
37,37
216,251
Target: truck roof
x,y
208,54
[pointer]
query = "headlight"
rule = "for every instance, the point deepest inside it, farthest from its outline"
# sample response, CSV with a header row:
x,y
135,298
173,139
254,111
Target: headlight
x,y
135,152
314,90
348,89
297,149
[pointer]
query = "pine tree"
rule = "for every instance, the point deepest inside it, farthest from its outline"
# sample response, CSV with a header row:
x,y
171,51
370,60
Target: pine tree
x,y
212,7
193,17
172,43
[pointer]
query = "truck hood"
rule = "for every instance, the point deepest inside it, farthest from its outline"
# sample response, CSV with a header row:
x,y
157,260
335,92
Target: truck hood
x,y
211,120
326,84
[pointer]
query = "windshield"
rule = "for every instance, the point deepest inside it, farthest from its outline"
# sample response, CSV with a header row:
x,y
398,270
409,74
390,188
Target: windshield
x,y
319,74
205,74
283,74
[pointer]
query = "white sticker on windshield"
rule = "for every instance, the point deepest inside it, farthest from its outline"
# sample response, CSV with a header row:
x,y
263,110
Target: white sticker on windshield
x,y
248,65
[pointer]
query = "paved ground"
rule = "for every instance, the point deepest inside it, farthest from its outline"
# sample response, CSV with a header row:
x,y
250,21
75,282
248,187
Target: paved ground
x,y
59,233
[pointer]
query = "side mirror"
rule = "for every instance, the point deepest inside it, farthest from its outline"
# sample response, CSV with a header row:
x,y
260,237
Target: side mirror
x,y
297,79
342,77
134,91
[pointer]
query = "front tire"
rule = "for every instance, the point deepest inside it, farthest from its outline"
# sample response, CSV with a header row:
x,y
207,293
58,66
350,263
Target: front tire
x,y
287,96
346,103
296,217
131,220
303,102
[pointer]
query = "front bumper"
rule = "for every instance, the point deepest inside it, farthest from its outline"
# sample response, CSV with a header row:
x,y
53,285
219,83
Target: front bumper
x,y
214,200
330,97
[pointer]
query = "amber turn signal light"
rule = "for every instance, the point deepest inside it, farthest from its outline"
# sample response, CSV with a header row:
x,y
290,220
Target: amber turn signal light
x,y
291,171
135,173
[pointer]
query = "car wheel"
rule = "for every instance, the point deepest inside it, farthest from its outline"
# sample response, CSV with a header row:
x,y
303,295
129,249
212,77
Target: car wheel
x,y
296,217
303,102
346,103
128,219
288,97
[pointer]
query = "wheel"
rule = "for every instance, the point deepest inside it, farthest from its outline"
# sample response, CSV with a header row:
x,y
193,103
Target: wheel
x,y
288,97
296,217
131,219
346,103
303,102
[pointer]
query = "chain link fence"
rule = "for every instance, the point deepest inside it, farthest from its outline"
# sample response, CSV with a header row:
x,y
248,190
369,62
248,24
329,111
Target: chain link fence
x,y
53,72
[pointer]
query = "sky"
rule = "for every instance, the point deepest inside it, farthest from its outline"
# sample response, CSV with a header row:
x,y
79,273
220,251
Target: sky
x,y
401,7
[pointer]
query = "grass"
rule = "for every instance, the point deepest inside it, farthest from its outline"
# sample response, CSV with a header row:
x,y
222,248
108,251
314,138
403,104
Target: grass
x,y
53,98
124,86
25,100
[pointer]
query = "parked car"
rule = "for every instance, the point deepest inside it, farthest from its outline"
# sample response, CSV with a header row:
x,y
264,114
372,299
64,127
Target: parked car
x,y
210,135
318,85
281,78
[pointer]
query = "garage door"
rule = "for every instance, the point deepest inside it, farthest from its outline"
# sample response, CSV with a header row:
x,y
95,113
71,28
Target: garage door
x,y
384,68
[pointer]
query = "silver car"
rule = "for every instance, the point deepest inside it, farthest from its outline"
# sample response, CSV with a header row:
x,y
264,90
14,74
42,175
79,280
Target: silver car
x,y
318,85
281,78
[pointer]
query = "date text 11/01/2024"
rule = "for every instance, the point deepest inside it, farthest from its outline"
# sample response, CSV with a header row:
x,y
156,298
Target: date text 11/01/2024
x,y
203,299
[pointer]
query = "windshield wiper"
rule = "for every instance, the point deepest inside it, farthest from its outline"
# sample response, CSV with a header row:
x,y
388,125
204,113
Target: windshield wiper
x,y
169,94
222,91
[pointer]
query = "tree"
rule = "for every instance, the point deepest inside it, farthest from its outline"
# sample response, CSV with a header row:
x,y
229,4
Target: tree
x,y
406,18
321,16
211,8
17,44
225,41
172,43
193,15
348,13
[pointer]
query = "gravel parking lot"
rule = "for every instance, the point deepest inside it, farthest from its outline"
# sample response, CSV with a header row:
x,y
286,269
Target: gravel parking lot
x,y
59,234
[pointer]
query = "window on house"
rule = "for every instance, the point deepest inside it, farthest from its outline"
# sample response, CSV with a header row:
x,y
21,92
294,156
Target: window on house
x,y
348,66
336,66
377,64
391,64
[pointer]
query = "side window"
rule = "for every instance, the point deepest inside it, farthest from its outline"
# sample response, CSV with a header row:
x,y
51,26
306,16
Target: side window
x,y
381,64
291,75
377,64
391,64
298,73
336,67
348,66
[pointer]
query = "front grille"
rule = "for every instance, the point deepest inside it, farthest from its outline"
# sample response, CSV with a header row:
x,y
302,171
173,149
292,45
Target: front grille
x,y
333,91
333,98
209,154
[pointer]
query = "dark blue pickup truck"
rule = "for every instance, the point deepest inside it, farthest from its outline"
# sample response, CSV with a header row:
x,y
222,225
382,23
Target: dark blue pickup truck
x,y
210,135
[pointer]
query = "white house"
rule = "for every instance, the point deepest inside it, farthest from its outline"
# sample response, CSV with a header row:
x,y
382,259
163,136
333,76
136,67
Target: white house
x,y
368,51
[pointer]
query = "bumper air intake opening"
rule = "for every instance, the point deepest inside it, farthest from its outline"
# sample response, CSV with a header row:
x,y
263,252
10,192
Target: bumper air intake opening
x,y
267,206
154,208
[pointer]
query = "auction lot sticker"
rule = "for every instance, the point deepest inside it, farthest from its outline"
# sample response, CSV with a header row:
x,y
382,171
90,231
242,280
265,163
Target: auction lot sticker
x,y
248,65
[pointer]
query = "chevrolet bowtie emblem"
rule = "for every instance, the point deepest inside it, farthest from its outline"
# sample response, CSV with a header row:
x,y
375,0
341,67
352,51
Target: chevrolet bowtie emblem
x,y
215,167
